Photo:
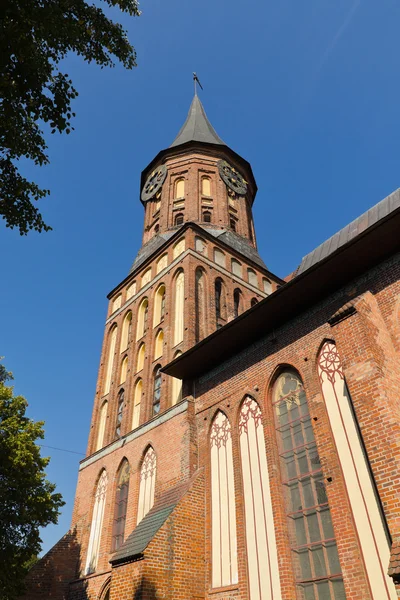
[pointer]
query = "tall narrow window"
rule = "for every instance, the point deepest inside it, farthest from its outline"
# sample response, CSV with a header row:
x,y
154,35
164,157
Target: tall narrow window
x,y
267,286
232,223
146,277
179,219
206,186
110,359
252,277
102,425
367,514
162,263
137,397
140,357
206,216
159,344
120,412
121,505
159,305
262,556
223,510
313,544
126,330
220,303
157,390
116,303
179,248
124,370
180,188
131,290
236,267
97,524
176,386
219,257
179,307
142,318
200,302
236,302
147,483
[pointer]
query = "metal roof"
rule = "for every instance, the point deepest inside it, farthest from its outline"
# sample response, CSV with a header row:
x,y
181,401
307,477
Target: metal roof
x,y
197,128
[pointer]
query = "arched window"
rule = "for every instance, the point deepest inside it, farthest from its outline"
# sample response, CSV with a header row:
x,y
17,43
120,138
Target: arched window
x,y
206,186
200,303
116,303
110,358
97,524
124,370
237,302
252,277
176,386
146,277
159,344
157,390
309,521
267,286
162,263
126,330
179,219
232,223
147,484
263,566
219,257
159,305
220,302
200,245
121,505
179,248
223,510
131,290
236,267
137,397
140,357
180,188
206,216
254,301
156,228
102,425
367,513
120,412
143,314
179,307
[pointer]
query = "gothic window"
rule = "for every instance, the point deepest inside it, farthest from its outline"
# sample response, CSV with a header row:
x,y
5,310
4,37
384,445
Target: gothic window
x,y
176,386
254,301
159,305
312,539
206,186
179,307
97,524
220,302
156,228
140,357
367,513
137,397
102,425
232,223
147,483
146,277
116,303
263,567
236,267
252,277
124,370
120,412
236,302
180,188
206,216
159,343
126,330
267,286
179,219
143,313
200,245
200,303
131,290
223,510
157,390
179,248
121,505
110,358
219,257
162,263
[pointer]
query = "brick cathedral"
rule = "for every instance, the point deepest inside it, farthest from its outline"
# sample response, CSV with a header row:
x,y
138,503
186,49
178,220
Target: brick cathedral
x,y
245,438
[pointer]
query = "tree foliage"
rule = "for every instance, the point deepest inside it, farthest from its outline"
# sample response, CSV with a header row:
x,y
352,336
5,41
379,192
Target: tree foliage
x,y
35,35
27,500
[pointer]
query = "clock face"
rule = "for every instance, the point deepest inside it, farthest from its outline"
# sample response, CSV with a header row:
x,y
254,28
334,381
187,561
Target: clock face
x,y
154,183
232,178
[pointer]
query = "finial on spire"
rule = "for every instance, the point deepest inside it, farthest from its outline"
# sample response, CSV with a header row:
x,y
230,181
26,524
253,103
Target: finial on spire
x,y
196,81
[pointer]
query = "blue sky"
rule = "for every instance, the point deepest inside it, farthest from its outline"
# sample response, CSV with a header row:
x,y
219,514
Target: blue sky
x,y
306,90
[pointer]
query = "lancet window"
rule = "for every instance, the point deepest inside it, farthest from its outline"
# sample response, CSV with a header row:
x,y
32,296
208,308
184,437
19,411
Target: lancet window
x,y
159,344
157,390
120,412
176,386
200,303
121,506
137,398
124,370
236,302
147,483
143,314
97,524
179,307
140,357
126,330
102,425
110,358
159,305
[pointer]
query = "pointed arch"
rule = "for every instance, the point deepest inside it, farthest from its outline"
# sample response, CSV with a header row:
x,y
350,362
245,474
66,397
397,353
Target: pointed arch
x,y
102,425
162,263
267,285
367,513
159,305
124,370
310,529
137,399
97,523
237,302
220,302
126,330
263,566
140,357
159,344
223,509
121,505
142,322
252,277
110,357
176,385
147,483
200,304
120,413
179,285
157,380
236,267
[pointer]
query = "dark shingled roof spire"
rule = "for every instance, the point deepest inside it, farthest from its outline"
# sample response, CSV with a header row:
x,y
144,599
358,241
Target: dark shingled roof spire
x,y
197,128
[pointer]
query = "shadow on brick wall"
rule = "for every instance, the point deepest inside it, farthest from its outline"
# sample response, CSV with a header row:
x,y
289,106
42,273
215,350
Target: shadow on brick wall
x,y
145,591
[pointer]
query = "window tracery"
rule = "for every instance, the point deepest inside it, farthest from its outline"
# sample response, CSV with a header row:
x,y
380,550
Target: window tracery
x,y
147,483
97,524
121,505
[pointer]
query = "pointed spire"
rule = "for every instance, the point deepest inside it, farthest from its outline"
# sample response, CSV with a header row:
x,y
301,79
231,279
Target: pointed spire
x,y
197,128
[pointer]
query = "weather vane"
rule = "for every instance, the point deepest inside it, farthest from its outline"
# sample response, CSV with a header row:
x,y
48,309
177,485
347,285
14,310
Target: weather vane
x,y
196,81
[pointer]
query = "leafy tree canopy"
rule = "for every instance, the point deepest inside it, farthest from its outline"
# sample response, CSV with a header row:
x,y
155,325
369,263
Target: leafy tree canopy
x,y
35,35
27,500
